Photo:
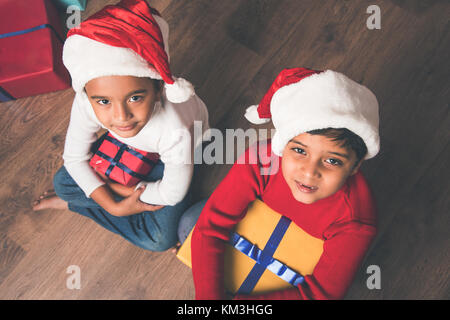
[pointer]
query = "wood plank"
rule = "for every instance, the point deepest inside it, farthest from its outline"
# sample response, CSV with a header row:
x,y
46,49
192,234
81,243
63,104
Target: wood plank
x,y
111,268
411,254
10,255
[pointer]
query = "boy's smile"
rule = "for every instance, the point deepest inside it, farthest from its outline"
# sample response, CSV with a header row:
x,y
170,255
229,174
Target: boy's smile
x,y
315,167
123,104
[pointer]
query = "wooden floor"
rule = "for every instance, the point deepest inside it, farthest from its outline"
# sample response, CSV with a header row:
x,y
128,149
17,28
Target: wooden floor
x,y
232,50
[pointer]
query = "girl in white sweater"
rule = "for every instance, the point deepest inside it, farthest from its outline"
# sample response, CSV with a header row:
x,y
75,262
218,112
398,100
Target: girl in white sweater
x,y
118,61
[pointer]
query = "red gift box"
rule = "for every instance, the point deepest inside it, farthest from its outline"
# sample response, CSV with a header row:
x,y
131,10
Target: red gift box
x,y
31,42
122,163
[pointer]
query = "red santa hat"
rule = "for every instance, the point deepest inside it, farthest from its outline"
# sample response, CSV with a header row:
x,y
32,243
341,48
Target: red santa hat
x,y
129,38
302,99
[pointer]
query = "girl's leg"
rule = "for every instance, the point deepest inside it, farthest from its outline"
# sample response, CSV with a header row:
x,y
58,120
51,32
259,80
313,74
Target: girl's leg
x,y
189,219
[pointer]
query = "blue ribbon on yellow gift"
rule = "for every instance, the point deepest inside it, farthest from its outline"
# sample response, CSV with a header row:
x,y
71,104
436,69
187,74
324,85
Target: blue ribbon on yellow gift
x,y
264,258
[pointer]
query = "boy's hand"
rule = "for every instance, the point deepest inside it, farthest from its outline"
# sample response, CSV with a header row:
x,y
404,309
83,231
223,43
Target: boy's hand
x,y
120,189
101,175
116,187
132,205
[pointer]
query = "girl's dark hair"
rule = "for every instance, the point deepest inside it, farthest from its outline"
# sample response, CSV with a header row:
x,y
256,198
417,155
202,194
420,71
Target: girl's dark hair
x,y
349,140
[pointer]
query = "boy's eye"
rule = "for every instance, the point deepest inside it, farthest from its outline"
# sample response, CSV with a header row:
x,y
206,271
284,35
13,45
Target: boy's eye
x,y
299,150
334,162
103,101
135,98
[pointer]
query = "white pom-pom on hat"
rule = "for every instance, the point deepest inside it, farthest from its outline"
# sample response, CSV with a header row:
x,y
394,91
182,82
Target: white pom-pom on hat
x,y
251,114
180,91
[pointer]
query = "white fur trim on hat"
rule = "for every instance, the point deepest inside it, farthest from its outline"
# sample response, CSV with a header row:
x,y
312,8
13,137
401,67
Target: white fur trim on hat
x,y
325,100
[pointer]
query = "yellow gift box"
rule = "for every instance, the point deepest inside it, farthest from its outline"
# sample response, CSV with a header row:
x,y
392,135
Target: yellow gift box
x,y
297,251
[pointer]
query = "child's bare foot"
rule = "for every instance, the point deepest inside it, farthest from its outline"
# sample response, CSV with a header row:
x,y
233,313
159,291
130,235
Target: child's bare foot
x,y
49,200
175,248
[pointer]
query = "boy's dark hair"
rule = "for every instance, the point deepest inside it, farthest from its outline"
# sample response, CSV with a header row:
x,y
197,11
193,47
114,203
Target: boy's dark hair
x,y
158,84
348,138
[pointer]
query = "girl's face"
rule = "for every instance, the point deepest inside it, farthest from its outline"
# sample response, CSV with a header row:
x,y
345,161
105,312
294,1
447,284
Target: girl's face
x,y
315,167
123,104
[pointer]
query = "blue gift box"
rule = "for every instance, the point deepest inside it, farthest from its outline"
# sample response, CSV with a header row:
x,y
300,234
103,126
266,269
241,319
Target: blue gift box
x,y
81,4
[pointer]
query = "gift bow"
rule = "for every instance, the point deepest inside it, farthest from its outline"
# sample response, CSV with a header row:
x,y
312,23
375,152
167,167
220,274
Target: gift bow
x,y
264,258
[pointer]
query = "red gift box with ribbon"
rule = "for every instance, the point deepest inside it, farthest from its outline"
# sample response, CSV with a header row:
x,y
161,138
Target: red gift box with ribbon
x,y
122,163
31,42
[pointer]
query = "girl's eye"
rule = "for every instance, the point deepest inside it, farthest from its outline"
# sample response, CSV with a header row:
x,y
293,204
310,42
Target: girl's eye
x,y
299,150
103,101
334,162
135,98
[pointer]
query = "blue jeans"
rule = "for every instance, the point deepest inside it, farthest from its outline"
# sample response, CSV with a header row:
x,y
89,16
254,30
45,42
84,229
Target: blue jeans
x,y
189,219
150,230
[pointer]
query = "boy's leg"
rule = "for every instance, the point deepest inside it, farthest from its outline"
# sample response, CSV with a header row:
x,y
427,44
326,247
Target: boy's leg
x,y
189,219
155,231
150,230
68,190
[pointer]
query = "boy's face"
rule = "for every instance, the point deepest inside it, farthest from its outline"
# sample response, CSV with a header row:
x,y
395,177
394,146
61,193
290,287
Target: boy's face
x,y
315,167
123,104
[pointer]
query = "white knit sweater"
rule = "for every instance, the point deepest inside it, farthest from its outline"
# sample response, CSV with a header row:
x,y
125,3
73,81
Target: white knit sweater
x,y
169,132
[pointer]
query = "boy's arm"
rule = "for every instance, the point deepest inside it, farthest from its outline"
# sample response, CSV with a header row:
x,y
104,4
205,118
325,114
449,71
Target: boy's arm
x,y
343,252
81,133
224,209
175,152
172,188
175,148
128,206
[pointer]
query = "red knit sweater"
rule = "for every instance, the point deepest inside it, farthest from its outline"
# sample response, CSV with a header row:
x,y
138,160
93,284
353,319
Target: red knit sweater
x,y
345,221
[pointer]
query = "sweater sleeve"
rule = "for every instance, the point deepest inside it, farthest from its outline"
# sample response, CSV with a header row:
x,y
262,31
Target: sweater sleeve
x,y
81,133
223,210
344,248
175,151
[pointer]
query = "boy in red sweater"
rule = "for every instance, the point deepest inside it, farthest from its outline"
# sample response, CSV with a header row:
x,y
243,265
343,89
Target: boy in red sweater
x,y
326,125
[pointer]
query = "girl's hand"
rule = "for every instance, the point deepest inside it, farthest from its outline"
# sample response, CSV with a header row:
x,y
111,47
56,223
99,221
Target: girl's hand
x,y
132,205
